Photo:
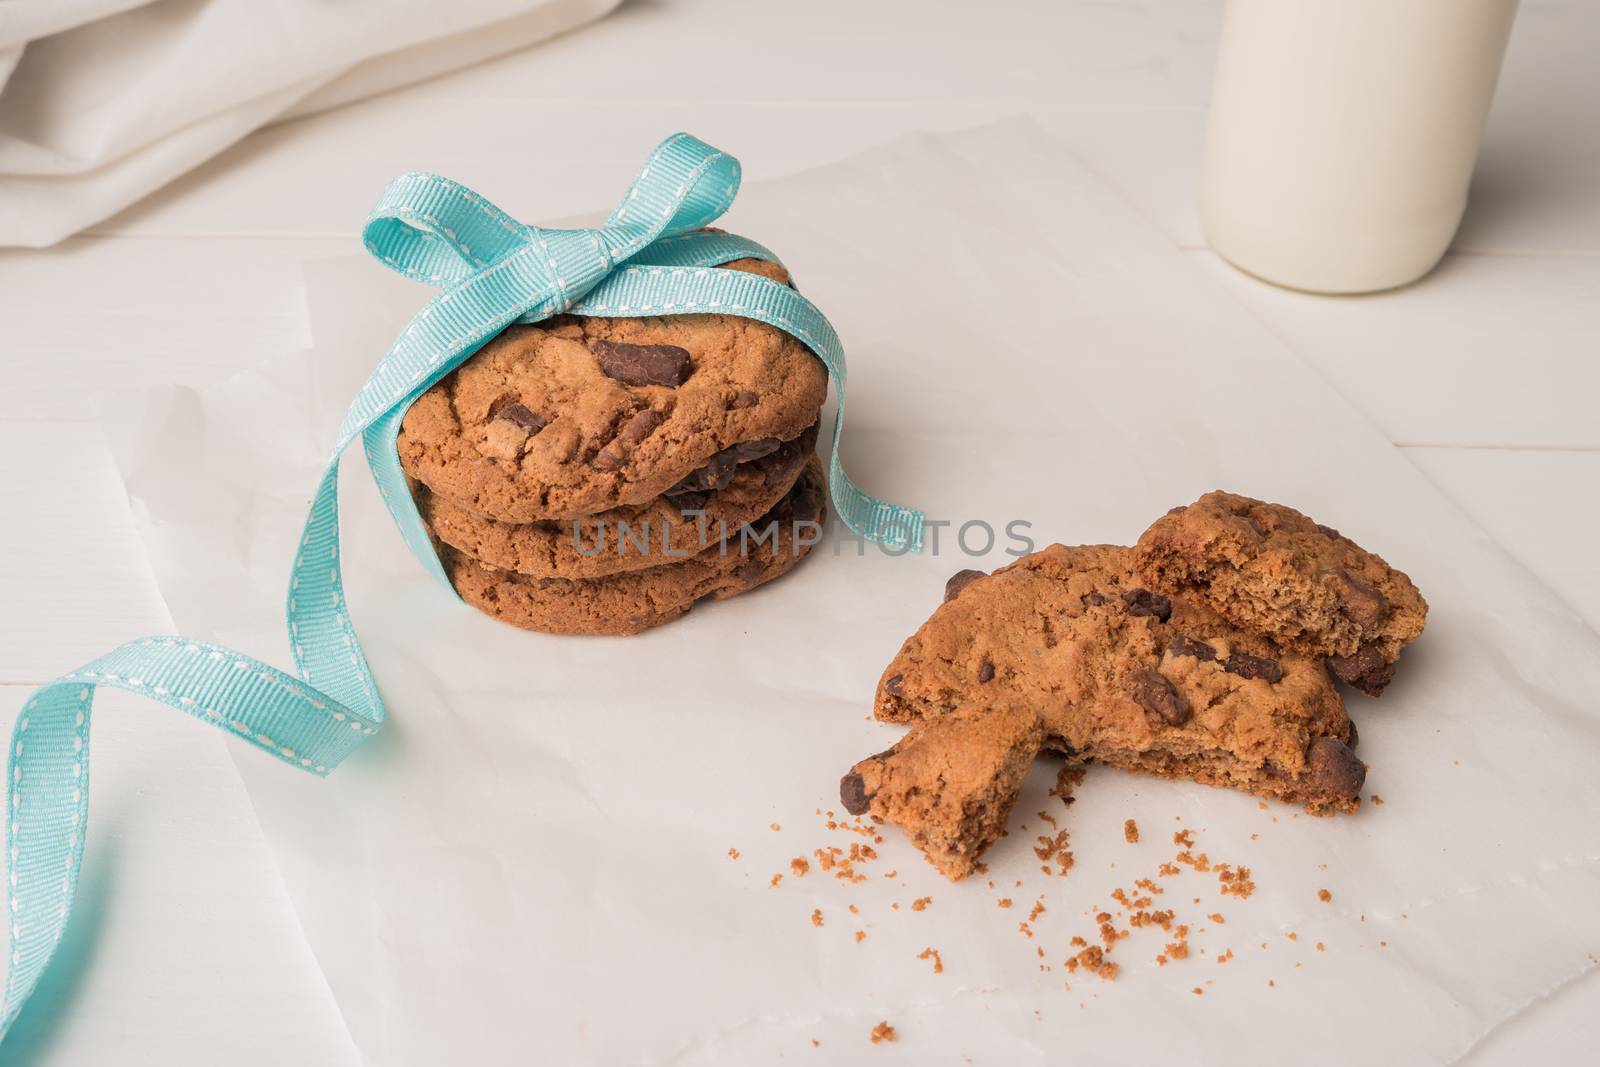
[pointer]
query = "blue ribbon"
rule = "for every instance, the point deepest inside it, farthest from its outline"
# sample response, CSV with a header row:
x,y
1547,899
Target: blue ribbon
x,y
652,257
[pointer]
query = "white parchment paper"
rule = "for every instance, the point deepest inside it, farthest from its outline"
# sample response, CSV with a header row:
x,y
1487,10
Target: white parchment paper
x,y
532,864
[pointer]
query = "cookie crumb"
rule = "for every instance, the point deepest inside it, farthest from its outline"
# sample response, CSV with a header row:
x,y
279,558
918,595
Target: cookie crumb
x,y
775,827
1320,947
1066,779
775,880
933,954
861,935
815,1043
920,903
1324,896
1054,849
816,916
799,866
1130,832
1093,960
1235,883
882,1032
1376,799
1217,918
1197,991
1003,902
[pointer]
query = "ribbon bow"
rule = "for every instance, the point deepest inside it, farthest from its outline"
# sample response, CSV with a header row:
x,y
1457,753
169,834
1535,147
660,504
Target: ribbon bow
x,y
652,257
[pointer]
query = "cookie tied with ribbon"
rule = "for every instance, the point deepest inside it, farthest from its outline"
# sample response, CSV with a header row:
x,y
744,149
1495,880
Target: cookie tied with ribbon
x,y
654,257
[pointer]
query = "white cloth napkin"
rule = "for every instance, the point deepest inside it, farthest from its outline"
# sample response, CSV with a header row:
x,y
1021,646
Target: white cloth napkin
x,y
103,101
533,859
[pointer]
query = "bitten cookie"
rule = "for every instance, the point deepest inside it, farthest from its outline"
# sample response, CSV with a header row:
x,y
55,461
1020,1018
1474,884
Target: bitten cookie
x,y
633,601
663,531
1065,650
579,415
1271,570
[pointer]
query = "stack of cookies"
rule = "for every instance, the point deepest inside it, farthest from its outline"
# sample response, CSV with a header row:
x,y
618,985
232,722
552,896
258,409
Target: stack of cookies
x,y
601,476
1209,651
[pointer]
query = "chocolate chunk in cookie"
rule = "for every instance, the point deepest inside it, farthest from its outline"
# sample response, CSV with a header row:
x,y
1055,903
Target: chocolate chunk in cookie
x,y
1360,602
710,478
853,794
1271,571
1183,645
633,364
747,451
1247,666
1144,602
1367,670
619,448
960,580
518,415
1152,691
1334,769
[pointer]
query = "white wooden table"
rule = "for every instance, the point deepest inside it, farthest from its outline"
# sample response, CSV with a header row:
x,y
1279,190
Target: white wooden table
x,y
1485,374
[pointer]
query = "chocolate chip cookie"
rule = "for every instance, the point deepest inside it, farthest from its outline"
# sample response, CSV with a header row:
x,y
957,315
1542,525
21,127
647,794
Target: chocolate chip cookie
x,y
662,531
578,415
1268,569
1067,650
632,601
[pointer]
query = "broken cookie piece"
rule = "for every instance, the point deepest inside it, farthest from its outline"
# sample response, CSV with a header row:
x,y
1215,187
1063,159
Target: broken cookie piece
x,y
1270,570
950,783
1068,651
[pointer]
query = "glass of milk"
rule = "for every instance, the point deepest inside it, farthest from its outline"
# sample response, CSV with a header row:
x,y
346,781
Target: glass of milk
x,y
1342,135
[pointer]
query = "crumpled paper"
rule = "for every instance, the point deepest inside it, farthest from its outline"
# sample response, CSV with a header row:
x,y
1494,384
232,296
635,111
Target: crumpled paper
x,y
536,859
